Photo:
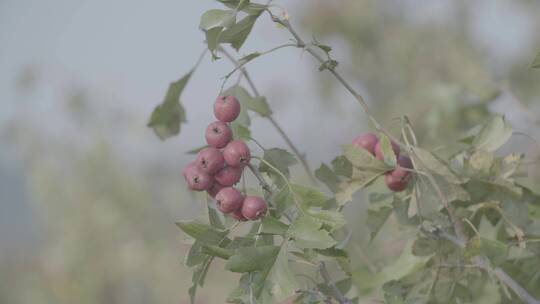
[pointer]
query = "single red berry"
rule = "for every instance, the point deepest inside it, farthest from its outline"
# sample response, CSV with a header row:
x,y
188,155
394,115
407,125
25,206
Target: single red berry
x,y
253,207
237,153
226,108
378,150
228,176
215,189
399,172
366,141
395,184
196,178
218,134
229,199
237,215
210,160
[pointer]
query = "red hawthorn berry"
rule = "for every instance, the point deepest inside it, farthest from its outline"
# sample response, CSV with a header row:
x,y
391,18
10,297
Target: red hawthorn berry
x,y
253,207
196,178
394,183
210,160
366,141
404,162
228,176
237,215
236,153
215,189
218,134
226,108
229,199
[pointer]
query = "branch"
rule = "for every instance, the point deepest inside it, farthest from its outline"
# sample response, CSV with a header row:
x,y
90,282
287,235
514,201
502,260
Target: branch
x,y
259,177
270,118
328,281
483,263
461,240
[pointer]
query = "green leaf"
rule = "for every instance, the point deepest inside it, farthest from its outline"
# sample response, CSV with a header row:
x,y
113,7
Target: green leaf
x,y
167,116
333,219
203,233
376,220
250,259
272,225
237,34
217,251
245,6
240,131
310,196
259,106
424,246
426,160
283,200
214,218
217,18
212,40
328,177
360,179
495,251
480,163
281,283
194,256
248,58
389,157
493,134
280,159
362,159
307,234
536,62
342,166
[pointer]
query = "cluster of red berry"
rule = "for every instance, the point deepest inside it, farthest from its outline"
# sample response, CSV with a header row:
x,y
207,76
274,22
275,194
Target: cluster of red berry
x,y
216,171
396,179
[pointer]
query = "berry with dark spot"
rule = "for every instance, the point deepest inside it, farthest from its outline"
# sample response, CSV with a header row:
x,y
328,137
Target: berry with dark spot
x,y
218,134
210,160
253,207
237,153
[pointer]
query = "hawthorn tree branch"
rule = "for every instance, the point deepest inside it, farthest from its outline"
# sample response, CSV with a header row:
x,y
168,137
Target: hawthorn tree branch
x,y
328,281
301,157
483,263
461,239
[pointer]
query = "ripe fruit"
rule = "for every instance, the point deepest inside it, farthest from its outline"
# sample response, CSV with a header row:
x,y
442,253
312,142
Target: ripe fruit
x,y
218,134
228,176
215,189
253,207
229,200
394,183
226,108
399,172
378,150
210,160
236,153
237,215
366,141
196,178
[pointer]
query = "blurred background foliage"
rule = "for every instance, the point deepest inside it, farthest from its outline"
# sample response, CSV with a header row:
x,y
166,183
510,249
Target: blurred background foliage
x,y
89,196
